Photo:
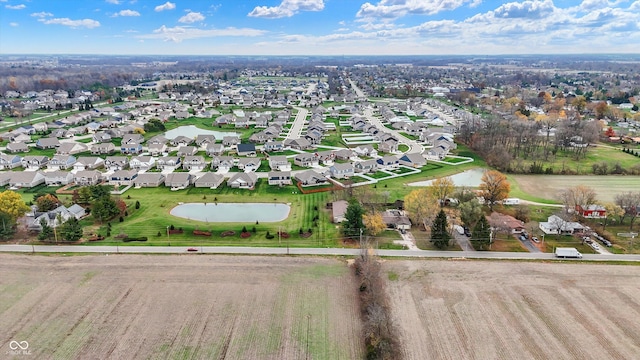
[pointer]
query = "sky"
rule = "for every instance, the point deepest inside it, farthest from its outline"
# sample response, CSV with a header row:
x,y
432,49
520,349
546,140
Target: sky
x,y
319,27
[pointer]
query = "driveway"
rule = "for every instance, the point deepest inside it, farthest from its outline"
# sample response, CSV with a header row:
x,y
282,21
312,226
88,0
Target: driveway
x,y
463,241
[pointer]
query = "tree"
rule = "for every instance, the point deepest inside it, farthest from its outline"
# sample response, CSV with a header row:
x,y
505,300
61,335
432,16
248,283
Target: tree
x,y
630,203
47,202
98,191
494,187
421,206
578,195
12,204
47,231
7,226
481,233
71,230
441,188
523,213
353,224
374,223
470,212
464,194
613,211
84,195
104,209
439,231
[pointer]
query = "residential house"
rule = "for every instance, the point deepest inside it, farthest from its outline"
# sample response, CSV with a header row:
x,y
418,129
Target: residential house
x,y
305,160
57,178
101,137
243,180
87,177
34,162
20,137
314,136
592,211
132,139
113,163
230,141
157,149
88,163
61,162
501,221
27,179
142,163
181,141
279,163
247,150
151,179
47,143
5,177
194,163
213,149
59,133
17,147
389,162
209,180
326,157
299,144
204,140
158,139
222,163
55,217
103,149
279,178
396,219
9,161
341,171
122,177
366,166
168,163
273,146
71,148
131,148
249,164
414,160
179,180
343,154
187,151
390,145
437,152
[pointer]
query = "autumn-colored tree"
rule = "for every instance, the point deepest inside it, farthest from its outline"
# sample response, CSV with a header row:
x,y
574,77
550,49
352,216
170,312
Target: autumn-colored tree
x,y
47,202
374,223
610,132
613,211
579,103
421,206
11,203
601,109
441,188
494,187
122,206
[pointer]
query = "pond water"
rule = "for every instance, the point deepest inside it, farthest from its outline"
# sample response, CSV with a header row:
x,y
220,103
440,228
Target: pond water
x,y
232,212
192,131
470,178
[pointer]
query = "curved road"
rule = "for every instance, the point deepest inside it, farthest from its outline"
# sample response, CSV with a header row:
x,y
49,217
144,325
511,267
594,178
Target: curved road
x,y
300,251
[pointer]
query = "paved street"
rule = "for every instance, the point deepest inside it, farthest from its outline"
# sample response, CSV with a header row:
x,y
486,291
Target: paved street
x,y
300,251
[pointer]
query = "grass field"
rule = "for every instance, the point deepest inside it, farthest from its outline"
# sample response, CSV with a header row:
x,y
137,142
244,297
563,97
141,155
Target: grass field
x,y
548,186
514,310
179,307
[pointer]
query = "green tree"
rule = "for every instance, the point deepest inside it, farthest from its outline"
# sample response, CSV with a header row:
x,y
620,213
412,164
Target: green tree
x,y
71,230
7,226
12,204
104,209
439,231
353,224
470,212
47,231
481,233
84,195
98,191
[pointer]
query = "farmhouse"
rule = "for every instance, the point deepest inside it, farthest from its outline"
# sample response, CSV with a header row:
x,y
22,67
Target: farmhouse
x,y
557,225
592,211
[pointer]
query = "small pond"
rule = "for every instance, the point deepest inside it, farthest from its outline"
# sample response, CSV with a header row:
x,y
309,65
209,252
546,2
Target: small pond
x,y
192,131
232,212
470,178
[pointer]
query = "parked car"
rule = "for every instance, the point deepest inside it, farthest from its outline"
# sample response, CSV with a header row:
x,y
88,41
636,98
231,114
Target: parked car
x,y
192,249
594,246
467,232
522,237
535,239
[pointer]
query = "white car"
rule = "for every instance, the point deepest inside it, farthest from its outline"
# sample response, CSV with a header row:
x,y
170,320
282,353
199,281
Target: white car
x,y
594,245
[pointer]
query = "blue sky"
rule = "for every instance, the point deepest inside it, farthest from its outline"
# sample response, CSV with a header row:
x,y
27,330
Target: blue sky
x,y
319,27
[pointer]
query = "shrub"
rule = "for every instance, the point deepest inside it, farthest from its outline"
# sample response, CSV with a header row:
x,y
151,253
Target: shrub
x,y
137,204
244,229
171,227
121,219
159,234
129,239
253,230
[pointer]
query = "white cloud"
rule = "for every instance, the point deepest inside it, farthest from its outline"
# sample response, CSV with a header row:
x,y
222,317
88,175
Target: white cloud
x,y
166,6
14,24
399,8
87,23
191,18
16,7
116,2
41,14
127,13
180,33
287,8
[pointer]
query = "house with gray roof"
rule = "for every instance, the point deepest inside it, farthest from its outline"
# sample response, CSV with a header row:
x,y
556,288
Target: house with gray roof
x,y
150,179
178,180
243,181
87,177
61,162
209,180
